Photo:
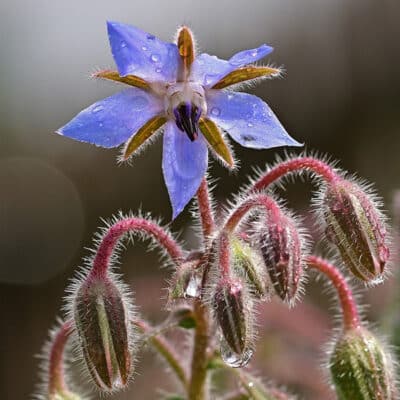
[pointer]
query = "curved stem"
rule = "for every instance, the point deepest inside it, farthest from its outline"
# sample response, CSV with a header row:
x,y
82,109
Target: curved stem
x,y
351,319
56,381
115,233
166,351
324,170
197,388
206,214
259,200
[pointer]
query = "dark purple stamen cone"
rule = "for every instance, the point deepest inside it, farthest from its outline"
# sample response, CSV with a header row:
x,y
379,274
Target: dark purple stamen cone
x,y
230,313
280,245
101,320
356,227
187,117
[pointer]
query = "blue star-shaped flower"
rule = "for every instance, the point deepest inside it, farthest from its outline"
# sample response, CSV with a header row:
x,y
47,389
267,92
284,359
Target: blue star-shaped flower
x,y
180,94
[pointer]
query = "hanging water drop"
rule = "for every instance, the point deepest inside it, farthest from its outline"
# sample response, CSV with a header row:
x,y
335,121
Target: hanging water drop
x,y
193,286
144,48
122,44
233,359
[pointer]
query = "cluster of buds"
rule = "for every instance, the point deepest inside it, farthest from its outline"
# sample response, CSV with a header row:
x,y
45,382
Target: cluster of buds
x,y
258,251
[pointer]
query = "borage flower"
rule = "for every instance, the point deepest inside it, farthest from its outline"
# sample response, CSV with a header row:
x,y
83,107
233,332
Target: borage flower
x,y
180,94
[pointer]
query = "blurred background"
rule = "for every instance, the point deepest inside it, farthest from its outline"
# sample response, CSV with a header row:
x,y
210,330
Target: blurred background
x,y
340,95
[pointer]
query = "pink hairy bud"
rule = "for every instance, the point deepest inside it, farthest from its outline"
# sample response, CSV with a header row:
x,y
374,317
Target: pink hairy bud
x,y
356,227
281,249
101,318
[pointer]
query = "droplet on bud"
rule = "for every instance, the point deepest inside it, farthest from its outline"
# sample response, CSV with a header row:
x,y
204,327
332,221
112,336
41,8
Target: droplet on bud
x,y
104,331
186,282
356,227
360,367
281,248
232,308
233,359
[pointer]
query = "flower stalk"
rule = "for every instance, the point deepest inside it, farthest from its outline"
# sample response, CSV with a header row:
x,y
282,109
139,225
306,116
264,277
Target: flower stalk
x,y
351,318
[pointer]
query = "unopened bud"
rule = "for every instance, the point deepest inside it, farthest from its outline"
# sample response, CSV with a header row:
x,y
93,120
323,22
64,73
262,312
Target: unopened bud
x,y
281,248
247,264
232,307
360,367
65,396
357,228
102,321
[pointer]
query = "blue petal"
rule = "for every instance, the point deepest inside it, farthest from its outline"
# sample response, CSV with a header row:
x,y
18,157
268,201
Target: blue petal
x,y
138,53
247,119
184,165
113,120
208,70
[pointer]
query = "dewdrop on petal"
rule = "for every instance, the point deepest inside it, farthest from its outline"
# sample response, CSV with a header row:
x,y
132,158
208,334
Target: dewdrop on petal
x,y
281,248
360,367
102,322
232,308
357,228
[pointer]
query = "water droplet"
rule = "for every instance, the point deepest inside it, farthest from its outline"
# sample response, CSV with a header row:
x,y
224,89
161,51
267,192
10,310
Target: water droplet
x,y
250,125
138,102
97,109
254,53
230,96
101,124
215,111
193,286
144,48
208,79
150,37
158,70
122,44
155,57
233,359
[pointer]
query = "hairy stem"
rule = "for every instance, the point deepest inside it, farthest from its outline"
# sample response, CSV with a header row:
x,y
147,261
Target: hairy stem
x,y
56,381
197,389
165,349
115,233
206,214
319,167
254,201
351,319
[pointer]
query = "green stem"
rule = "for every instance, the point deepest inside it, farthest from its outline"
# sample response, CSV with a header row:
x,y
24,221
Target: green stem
x,y
197,388
166,351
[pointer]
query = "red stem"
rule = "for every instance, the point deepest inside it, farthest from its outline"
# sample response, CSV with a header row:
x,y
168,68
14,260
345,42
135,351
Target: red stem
x,y
259,200
206,215
106,248
351,318
319,167
224,255
56,360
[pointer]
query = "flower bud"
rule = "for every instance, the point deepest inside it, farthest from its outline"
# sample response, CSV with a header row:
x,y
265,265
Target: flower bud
x,y
65,396
357,228
247,265
360,367
281,249
102,321
232,308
